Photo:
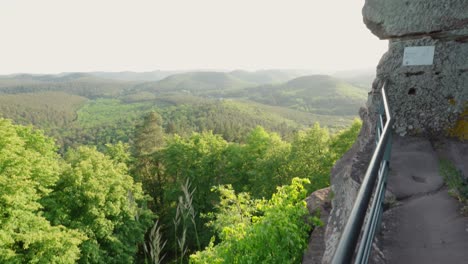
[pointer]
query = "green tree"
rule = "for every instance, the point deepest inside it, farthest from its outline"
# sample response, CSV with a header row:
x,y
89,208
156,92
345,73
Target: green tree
x,y
199,160
233,214
273,231
311,157
344,140
263,158
119,152
149,136
147,168
97,196
29,168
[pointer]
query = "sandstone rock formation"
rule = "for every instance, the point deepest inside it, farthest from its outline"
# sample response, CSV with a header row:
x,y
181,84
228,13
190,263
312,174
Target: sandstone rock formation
x,y
399,19
425,100
318,201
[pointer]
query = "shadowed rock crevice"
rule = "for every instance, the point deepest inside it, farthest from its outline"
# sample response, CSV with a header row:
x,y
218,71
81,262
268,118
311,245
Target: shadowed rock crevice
x,y
317,201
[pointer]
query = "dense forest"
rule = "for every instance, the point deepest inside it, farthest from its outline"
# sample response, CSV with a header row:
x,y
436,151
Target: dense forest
x,y
193,167
88,109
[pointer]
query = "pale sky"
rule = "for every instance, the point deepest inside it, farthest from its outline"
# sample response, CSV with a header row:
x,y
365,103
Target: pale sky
x,y
51,36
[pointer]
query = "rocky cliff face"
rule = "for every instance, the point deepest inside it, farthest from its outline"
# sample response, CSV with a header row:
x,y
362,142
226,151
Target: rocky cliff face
x,y
346,177
427,88
425,98
397,19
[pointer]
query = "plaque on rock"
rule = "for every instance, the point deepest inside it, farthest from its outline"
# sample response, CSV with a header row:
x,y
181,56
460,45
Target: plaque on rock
x,y
422,55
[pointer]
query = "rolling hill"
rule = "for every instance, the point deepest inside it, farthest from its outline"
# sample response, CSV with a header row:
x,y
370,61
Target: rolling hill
x,y
256,77
81,84
319,94
267,76
150,76
196,82
82,108
360,78
42,109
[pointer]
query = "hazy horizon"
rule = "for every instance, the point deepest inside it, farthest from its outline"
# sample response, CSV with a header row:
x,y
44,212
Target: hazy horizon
x,y
53,36
306,71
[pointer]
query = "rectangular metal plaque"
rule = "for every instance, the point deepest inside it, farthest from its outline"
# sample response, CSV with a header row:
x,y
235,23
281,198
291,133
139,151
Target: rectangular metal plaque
x,y
422,55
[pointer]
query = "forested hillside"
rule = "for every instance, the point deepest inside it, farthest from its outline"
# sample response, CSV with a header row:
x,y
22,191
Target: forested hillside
x,y
83,108
170,171
318,94
258,77
196,82
81,84
45,109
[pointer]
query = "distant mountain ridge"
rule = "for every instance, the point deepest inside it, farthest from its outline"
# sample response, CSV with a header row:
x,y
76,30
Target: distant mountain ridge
x,y
268,76
135,76
321,94
318,94
361,78
258,77
82,84
196,82
83,107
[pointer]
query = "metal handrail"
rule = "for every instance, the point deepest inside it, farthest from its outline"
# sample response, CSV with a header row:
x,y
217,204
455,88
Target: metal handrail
x,y
376,172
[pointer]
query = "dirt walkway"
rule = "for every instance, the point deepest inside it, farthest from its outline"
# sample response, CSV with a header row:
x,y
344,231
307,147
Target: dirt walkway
x,y
425,225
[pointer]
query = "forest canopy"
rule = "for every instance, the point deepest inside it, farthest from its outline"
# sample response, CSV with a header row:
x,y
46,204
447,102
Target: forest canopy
x,y
91,207
195,167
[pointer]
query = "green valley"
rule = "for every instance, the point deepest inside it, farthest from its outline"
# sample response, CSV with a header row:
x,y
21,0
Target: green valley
x,y
196,167
86,108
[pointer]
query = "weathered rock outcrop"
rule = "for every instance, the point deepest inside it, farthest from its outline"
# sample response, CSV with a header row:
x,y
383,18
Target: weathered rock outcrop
x,y
425,98
318,201
399,19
